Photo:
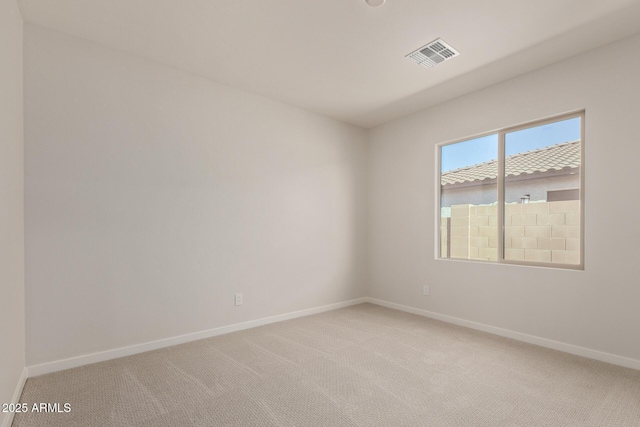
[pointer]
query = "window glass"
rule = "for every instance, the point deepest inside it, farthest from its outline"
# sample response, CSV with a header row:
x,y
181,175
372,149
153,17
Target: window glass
x,y
514,196
468,199
542,177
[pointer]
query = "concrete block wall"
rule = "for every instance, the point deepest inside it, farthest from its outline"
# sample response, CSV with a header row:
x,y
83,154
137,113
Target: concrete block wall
x,y
538,232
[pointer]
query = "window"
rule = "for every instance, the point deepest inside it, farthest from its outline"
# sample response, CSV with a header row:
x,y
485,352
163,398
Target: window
x,y
515,196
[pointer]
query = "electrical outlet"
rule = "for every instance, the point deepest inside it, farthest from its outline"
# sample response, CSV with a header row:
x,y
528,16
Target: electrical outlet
x,y
238,299
425,290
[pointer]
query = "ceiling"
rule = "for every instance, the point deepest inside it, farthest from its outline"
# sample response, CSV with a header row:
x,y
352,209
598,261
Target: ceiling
x,y
342,58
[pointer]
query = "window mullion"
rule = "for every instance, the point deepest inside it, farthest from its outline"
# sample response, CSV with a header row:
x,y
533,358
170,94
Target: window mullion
x,y
501,207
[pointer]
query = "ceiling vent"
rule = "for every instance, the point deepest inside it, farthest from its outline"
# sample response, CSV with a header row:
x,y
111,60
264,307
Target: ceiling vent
x,y
434,53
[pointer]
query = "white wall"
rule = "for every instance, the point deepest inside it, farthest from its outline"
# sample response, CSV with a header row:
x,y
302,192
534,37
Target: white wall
x,y
152,196
596,308
12,358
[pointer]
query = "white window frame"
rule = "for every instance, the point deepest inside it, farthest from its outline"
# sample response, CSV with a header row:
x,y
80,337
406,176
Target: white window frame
x,y
501,191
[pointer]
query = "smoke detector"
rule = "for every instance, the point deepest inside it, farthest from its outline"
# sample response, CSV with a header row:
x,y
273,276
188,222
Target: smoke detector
x,y
375,3
433,53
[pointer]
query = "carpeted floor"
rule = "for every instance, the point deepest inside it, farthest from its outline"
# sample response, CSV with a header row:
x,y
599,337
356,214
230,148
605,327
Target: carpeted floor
x,y
360,366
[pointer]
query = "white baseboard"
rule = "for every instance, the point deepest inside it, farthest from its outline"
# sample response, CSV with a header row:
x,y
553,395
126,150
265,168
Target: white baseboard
x,y
74,362
16,397
59,365
531,339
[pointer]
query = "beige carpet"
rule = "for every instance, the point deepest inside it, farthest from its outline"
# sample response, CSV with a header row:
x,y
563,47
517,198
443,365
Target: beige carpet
x,y
360,366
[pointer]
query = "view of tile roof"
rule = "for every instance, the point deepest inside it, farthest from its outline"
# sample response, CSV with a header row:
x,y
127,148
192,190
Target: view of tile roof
x,y
565,156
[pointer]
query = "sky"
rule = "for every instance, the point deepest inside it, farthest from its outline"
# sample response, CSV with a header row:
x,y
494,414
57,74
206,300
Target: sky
x,y
483,149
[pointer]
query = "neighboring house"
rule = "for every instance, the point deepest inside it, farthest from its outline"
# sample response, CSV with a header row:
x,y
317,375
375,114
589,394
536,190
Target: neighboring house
x,y
546,174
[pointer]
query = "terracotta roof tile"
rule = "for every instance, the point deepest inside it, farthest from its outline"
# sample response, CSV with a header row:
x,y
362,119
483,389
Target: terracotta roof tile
x,y
556,157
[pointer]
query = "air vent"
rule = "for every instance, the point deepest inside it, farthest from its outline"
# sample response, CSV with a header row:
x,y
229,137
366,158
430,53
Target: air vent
x,y
434,53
